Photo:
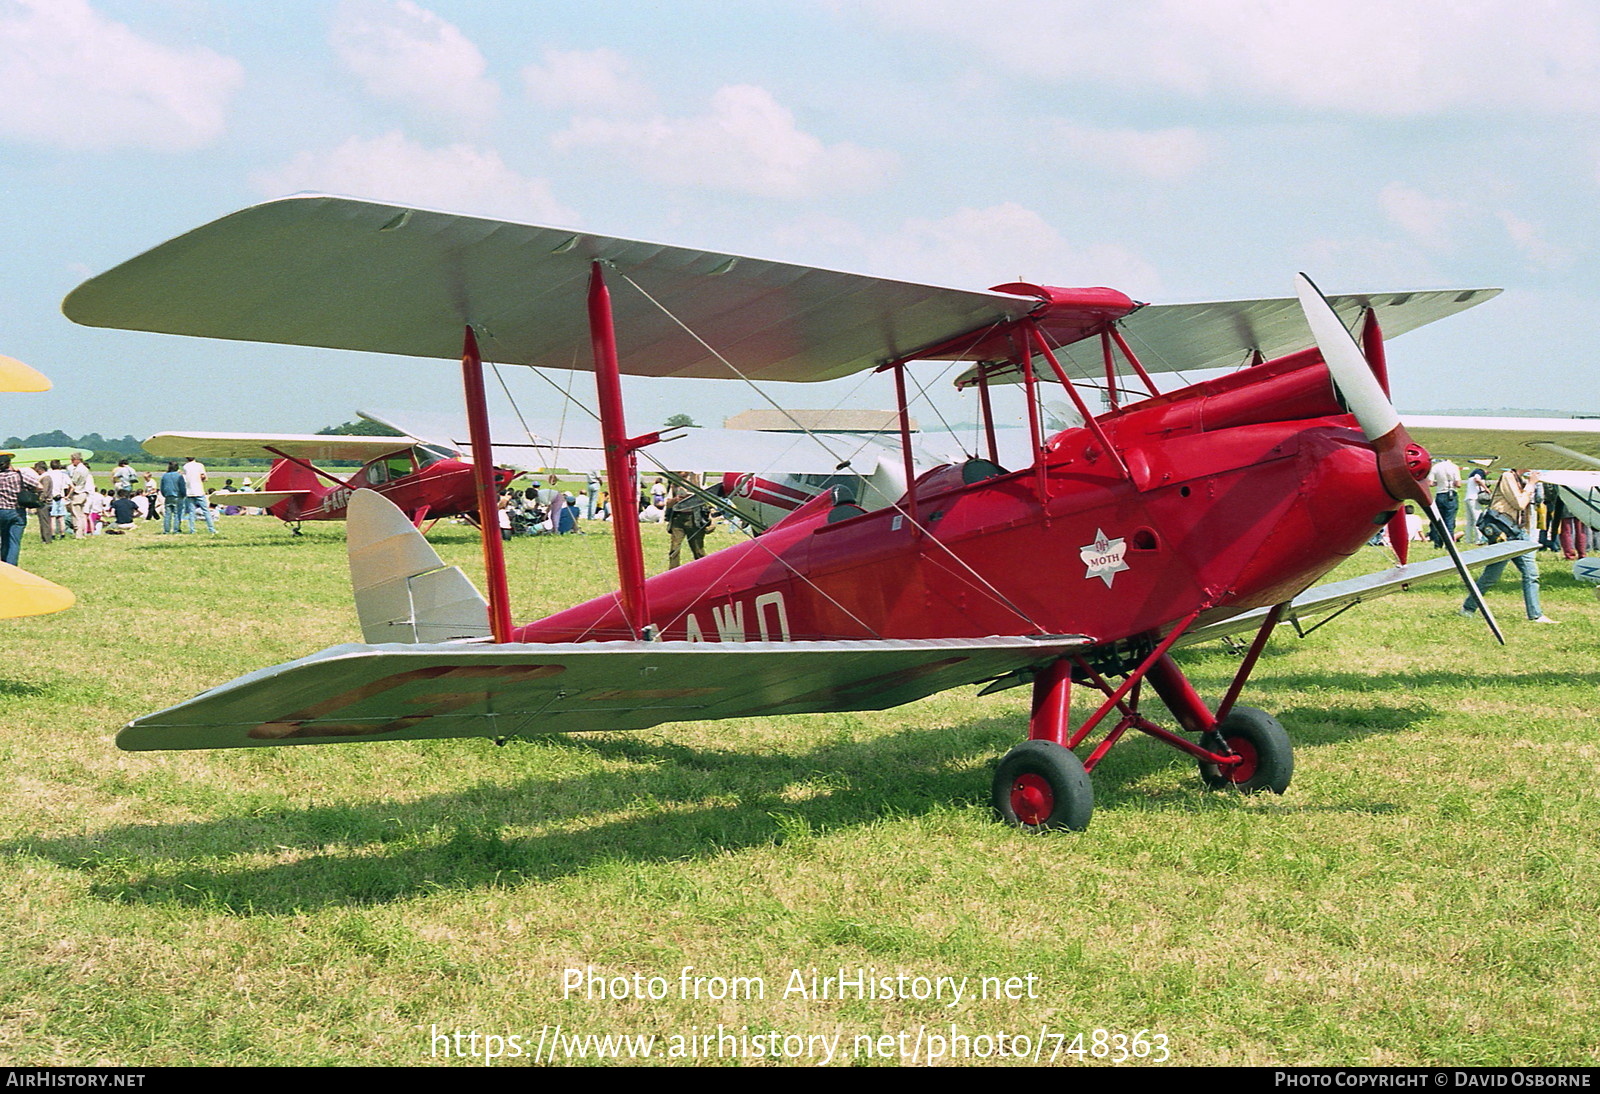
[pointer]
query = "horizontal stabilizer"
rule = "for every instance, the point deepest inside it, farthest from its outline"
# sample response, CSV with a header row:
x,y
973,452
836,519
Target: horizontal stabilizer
x,y
394,693
403,590
262,498
1335,595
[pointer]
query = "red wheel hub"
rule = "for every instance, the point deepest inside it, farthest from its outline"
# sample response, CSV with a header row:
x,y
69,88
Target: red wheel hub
x,y
1032,800
1245,769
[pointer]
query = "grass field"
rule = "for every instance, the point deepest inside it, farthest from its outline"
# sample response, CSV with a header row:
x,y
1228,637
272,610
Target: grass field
x,y
1428,891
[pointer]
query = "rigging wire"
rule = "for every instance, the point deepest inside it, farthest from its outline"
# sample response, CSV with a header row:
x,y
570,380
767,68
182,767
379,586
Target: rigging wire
x,y
926,533
983,584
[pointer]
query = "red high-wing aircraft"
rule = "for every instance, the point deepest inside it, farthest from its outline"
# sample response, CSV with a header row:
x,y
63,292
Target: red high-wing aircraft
x,y
425,481
1166,520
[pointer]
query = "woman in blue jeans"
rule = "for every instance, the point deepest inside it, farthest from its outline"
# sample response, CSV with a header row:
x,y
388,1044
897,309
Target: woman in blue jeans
x,y
13,517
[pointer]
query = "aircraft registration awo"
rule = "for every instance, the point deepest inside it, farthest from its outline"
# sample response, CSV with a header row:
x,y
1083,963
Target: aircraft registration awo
x,y
1167,519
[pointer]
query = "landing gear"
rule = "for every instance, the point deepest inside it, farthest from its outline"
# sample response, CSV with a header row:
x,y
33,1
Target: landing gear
x,y
1266,758
1042,785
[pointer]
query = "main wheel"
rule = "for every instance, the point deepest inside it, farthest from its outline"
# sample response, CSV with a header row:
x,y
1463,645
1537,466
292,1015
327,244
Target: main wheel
x,y
1041,785
1267,757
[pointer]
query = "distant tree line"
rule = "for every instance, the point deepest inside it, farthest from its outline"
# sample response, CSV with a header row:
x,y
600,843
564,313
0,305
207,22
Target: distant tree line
x,y
95,448
358,428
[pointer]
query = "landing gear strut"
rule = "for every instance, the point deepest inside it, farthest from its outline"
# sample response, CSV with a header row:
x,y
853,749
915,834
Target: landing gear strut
x,y
1042,784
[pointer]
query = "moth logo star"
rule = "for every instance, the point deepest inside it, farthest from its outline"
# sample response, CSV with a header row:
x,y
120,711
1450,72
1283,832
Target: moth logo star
x,y
1104,557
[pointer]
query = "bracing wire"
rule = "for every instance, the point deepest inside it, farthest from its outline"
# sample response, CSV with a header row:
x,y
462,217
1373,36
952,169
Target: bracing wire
x,y
927,534
983,583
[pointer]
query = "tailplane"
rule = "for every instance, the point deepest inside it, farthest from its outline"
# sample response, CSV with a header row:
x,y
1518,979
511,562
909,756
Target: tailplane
x,y
404,592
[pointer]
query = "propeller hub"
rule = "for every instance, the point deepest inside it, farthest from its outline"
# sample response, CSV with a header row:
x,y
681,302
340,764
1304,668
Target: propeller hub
x,y
1417,461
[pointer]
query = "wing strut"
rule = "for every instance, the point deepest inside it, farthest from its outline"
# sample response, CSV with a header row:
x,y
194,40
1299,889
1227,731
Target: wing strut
x,y
494,557
621,463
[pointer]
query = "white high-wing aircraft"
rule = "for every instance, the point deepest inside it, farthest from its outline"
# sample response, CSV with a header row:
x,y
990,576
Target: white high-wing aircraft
x,y
1554,444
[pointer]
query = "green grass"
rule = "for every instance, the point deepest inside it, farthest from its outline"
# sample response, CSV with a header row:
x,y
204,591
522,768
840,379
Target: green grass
x,y
1426,893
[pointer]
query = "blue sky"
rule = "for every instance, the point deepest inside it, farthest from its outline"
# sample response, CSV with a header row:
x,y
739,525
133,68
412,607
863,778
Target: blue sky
x,y
1175,149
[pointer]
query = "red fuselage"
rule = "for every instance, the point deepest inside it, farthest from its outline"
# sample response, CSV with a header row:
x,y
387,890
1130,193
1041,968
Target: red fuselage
x,y
1232,494
442,488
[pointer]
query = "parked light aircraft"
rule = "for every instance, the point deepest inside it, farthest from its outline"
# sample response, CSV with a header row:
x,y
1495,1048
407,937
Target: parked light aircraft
x,y
1165,520
424,480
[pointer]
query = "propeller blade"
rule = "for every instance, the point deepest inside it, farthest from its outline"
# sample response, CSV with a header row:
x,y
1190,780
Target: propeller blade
x,y
1381,424
1348,365
1448,536
1398,456
1400,536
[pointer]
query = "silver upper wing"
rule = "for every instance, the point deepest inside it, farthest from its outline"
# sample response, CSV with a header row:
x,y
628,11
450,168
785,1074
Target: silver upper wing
x,y
315,270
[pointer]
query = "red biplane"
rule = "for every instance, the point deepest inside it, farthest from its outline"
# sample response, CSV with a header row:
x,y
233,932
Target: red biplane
x,y
1167,519
424,480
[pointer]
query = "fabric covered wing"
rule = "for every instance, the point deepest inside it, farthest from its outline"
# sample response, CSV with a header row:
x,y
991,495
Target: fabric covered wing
x,y
389,693
16,376
1226,333
327,271
1551,444
1331,597
255,446
22,593
576,445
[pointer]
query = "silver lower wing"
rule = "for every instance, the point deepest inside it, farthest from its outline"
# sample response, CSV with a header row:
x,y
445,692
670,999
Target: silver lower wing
x,y
1325,600
416,692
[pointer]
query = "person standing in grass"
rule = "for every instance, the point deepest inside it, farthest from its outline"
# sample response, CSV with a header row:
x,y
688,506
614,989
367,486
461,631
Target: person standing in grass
x,y
56,484
194,499
80,484
123,477
13,517
172,491
152,496
688,518
1445,482
42,473
1508,513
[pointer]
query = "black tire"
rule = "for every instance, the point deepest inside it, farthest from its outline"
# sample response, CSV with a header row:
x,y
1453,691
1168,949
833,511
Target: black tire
x,y
1261,740
1040,785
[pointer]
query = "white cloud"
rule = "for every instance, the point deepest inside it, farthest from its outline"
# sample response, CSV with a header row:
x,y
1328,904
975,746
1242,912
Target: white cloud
x,y
746,142
1363,56
1530,242
1431,221
1165,155
457,178
598,79
408,55
976,248
71,78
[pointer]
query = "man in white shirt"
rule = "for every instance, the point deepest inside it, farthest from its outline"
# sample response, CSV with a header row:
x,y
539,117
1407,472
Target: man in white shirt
x,y
55,482
1444,480
194,482
80,484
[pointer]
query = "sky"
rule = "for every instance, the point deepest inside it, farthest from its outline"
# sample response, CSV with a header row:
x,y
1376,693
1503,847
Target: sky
x,y
1178,150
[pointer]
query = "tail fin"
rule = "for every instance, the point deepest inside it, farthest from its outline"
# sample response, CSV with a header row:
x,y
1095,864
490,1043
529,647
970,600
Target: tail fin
x,y
289,477
404,592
